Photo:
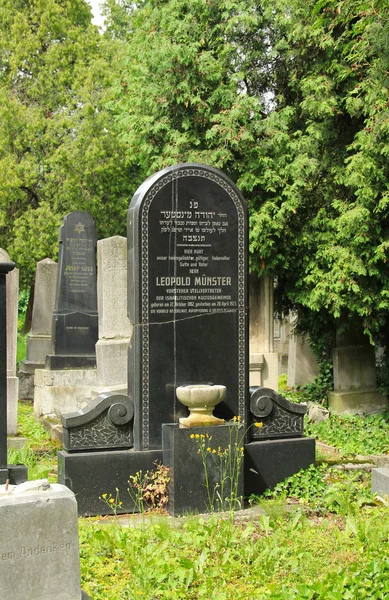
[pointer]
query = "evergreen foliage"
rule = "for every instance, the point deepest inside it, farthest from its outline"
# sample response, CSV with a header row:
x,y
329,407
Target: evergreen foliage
x,y
290,98
57,149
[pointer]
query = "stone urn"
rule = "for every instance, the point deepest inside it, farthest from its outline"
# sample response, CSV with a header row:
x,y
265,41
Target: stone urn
x,y
201,400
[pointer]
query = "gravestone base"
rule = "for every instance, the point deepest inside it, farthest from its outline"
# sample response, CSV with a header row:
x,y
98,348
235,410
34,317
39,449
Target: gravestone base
x,y
14,473
368,401
26,376
62,391
16,442
75,330
264,370
268,462
112,359
91,474
37,348
188,492
12,404
58,362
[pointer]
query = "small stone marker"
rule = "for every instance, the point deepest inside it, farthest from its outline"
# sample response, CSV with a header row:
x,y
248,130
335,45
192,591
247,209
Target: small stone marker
x,y
380,481
75,326
355,382
187,295
39,556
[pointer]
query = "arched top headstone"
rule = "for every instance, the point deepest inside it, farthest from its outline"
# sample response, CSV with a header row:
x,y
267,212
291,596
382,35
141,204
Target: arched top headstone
x,y
187,293
77,263
75,330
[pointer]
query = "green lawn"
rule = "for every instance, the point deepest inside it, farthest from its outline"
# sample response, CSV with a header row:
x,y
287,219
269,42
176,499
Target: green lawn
x,y
319,535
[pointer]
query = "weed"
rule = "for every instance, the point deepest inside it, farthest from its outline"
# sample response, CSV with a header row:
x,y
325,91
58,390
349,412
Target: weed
x,y
223,495
113,502
149,490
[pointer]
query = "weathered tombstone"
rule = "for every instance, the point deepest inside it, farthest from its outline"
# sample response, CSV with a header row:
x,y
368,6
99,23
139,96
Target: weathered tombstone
x,y
302,364
14,473
263,359
70,375
12,294
187,295
39,339
355,384
281,343
114,325
39,556
75,321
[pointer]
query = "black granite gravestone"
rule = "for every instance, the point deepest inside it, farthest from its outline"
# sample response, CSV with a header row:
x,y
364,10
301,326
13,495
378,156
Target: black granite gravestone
x,y
14,473
187,295
75,321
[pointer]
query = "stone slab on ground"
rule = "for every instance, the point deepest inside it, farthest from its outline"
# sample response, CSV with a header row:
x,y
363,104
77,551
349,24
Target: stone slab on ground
x,y
39,553
63,391
52,426
269,462
357,402
380,481
16,442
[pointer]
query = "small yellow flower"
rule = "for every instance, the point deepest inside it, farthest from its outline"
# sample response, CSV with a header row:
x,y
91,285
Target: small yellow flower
x,y
197,436
104,496
214,451
208,449
259,424
192,436
111,501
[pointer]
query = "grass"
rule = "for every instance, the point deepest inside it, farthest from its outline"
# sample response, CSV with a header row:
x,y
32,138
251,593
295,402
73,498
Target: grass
x,y
40,452
21,348
287,557
319,535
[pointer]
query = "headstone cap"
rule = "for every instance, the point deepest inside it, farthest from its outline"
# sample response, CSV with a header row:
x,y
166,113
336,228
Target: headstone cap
x,y
6,267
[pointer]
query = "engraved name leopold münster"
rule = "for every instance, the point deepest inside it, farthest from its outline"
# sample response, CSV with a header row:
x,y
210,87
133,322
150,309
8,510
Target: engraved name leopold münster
x,y
187,281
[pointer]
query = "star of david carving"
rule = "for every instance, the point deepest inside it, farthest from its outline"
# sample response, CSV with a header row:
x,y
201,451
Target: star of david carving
x,y
80,227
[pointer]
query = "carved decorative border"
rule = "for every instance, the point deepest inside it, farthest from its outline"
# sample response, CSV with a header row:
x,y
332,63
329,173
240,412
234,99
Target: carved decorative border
x,y
149,197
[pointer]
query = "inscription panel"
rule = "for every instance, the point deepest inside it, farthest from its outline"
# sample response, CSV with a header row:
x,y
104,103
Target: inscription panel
x,y
77,263
187,236
75,314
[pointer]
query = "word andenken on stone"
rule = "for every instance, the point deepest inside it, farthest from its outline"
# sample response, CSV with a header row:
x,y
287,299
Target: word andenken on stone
x,y
29,552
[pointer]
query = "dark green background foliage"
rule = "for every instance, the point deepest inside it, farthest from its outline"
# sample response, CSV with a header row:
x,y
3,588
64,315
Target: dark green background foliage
x,y
290,98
